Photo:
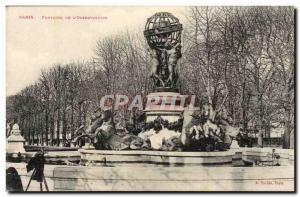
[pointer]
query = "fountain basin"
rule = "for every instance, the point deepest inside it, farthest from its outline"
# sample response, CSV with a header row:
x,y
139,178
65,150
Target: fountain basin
x,y
158,171
157,157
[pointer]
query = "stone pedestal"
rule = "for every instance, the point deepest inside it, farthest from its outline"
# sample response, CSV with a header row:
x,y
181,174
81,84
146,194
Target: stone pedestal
x,y
168,108
168,105
15,142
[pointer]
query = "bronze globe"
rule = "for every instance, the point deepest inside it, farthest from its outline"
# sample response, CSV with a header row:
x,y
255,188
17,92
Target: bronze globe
x,y
163,30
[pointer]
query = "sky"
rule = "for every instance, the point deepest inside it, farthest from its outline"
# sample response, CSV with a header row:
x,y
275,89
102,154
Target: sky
x,y
40,37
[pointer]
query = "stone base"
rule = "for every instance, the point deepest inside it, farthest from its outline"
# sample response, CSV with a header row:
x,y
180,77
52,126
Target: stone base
x,y
15,147
167,106
139,176
160,178
15,142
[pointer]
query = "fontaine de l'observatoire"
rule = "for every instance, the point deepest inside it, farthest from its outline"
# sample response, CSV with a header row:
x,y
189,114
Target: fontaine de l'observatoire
x,y
163,35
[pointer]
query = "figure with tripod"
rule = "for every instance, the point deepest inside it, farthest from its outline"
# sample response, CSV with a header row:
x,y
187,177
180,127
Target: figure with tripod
x,y
37,163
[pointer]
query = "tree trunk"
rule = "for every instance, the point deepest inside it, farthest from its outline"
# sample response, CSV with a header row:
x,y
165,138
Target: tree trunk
x,y
72,122
79,122
42,128
52,126
261,126
292,139
58,128
64,125
289,100
287,130
46,127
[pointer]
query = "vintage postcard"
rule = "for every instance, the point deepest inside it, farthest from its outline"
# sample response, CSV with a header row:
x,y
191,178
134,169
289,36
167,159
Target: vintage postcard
x,y
128,98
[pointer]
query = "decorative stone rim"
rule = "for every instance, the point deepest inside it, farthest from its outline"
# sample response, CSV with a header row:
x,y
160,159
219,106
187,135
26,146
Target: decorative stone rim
x,y
159,153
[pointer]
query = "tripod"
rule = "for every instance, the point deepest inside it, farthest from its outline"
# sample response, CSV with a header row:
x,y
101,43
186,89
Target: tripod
x,y
43,180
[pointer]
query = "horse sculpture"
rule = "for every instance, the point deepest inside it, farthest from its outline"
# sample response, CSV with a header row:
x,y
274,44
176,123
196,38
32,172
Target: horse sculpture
x,y
103,135
207,130
101,127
